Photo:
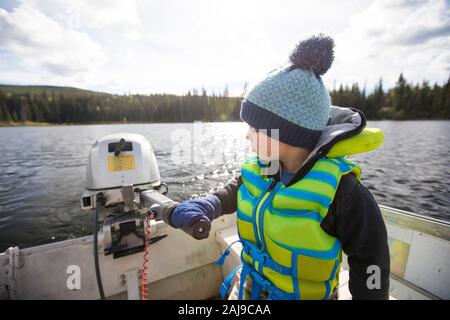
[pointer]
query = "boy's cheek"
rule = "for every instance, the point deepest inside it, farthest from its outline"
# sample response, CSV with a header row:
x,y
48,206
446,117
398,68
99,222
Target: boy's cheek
x,y
253,142
254,146
264,148
261,145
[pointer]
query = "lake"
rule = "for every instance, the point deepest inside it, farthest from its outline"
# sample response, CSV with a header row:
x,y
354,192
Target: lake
x,y
42,171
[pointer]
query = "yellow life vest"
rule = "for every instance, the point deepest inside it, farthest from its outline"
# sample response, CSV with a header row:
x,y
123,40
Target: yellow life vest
x,y
279,228
285,250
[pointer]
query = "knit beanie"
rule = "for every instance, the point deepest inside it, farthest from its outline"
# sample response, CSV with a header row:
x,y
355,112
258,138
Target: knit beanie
x,y
293,98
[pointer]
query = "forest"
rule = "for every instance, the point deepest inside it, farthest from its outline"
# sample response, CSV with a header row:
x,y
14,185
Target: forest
x,y
65,105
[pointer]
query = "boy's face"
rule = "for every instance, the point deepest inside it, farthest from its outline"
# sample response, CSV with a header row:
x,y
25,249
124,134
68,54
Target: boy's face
x,y
265,147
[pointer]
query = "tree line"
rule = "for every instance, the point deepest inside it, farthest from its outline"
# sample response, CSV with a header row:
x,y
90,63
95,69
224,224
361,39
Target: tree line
x,y
60,105
404,101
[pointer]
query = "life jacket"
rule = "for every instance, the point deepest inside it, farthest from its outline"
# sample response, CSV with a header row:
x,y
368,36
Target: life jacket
x,y
285,250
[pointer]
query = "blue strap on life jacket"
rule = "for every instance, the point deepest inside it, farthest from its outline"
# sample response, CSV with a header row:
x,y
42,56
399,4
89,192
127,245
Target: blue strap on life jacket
x,y
264,260
221,260
258,282
244,273
275,293
256,290
295,276
225,286
226,253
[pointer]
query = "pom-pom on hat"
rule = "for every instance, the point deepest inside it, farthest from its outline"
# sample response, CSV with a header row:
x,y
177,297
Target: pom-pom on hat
x,y
293,98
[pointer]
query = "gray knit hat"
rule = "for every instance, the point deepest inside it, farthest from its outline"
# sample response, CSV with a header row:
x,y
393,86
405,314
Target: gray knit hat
x,y
293,98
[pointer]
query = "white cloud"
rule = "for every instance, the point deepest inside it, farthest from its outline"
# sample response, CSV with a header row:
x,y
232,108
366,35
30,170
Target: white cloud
x,y
391,37
171,46
213,43
43,44
120,16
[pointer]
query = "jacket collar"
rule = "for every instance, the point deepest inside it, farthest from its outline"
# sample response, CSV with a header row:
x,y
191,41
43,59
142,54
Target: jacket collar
x,y
342,124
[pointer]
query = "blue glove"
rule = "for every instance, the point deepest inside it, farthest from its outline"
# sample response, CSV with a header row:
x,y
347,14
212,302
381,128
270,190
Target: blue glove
x,y
188,212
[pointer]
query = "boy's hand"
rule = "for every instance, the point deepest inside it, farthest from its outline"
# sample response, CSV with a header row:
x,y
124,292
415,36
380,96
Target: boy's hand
x,y
188,212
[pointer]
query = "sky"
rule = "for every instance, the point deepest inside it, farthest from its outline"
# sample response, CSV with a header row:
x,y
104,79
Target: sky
x,y
146,46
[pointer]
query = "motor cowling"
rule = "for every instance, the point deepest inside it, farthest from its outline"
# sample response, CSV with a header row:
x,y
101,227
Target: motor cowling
x,y
118,160
134,164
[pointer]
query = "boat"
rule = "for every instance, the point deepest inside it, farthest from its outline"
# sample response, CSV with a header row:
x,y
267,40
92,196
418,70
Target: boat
x,y
176,264
181,267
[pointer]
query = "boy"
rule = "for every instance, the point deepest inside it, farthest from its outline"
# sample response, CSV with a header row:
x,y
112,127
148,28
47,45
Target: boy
x,y
295,222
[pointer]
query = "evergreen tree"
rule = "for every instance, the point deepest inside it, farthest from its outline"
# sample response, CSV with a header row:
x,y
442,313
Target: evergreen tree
x,y
68,105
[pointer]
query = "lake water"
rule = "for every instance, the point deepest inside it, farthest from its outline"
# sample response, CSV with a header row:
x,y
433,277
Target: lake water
x,y
42,171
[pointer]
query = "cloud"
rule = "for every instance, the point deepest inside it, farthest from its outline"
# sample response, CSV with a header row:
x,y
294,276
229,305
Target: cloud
x,y
391,37
171,46
155,46
40,42
116,17
427,33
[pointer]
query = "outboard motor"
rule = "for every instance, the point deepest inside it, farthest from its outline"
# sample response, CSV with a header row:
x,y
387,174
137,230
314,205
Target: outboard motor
x,y
123,185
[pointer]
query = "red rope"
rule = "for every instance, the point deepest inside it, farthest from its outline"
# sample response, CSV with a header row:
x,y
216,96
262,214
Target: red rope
x,y
144,280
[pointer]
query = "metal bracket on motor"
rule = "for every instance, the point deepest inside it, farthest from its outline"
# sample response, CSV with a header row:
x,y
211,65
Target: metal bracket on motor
x,y
124,233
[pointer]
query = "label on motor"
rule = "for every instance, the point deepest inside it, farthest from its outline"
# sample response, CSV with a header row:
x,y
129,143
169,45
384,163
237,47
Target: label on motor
x,y
121,163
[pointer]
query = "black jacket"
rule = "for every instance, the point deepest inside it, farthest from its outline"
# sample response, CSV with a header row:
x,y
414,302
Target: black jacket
x,y
354,217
